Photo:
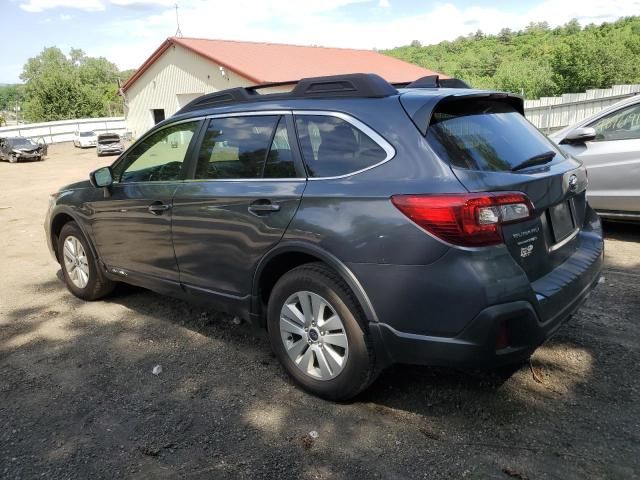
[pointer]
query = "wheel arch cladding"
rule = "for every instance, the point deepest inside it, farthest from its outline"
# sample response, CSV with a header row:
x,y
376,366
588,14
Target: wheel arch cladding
x,y
287,257
58,222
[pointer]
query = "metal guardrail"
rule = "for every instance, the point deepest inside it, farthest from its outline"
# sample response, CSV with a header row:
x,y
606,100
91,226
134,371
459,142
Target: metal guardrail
x,y
62,130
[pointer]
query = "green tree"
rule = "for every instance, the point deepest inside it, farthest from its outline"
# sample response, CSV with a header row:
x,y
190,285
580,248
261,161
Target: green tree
x,y
505,35
538,60
9,95
58,86
531,78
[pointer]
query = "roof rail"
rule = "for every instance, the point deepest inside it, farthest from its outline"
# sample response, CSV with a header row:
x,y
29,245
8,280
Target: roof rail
x,y
433,81
353,85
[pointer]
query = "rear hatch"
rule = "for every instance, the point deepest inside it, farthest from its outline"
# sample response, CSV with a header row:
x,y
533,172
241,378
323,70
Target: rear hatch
x,y
491,147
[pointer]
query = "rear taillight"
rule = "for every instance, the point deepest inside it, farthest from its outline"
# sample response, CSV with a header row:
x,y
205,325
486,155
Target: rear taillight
x,y
468,220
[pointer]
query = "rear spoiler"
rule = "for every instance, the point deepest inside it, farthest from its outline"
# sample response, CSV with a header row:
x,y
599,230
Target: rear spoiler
x,y
433,81
420,107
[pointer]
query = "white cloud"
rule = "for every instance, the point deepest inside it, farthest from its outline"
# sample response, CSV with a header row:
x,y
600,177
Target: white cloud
x,y
42,5
384,4
143,3
64,17
319,23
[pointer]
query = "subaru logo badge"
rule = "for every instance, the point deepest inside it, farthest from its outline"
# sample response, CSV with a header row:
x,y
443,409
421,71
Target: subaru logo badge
x,y
573,183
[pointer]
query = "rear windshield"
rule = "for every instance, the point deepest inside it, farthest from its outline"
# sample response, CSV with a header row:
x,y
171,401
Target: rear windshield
x,y
87,134
485,135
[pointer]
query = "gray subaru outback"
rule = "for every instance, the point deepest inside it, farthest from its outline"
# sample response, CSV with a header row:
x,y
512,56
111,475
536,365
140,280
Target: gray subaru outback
x,y
361,223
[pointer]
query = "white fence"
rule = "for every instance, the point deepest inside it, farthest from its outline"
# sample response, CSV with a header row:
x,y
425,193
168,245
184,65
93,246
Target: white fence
x,y
62,130
553,113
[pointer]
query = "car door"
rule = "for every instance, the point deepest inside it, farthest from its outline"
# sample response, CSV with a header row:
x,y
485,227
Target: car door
x,y
613,161
247,183
132,224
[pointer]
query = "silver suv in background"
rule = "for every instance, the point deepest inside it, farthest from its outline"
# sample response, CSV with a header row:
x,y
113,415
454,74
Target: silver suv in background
x,y
608,143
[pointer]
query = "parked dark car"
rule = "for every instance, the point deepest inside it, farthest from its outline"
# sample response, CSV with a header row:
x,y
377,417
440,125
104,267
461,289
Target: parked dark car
x,y
15,149
109,144
361,223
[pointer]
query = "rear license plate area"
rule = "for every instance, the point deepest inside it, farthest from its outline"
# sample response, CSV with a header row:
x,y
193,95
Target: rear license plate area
x,y
562,221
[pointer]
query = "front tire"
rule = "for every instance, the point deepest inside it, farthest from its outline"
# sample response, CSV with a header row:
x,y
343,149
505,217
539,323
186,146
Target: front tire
x,y
319,334
82,274
13,159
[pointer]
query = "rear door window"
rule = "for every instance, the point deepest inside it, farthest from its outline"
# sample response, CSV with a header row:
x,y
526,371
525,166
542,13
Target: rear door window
x,y
332,146
485,135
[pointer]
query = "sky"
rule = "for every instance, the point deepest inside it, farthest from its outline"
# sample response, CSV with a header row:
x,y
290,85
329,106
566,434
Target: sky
x,y
128,31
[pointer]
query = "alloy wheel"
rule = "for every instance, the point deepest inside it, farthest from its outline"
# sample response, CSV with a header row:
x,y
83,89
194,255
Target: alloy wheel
x,y
75,262
313,335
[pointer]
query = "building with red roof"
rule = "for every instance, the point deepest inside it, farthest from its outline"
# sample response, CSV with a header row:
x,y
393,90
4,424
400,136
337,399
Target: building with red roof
x,y
182,69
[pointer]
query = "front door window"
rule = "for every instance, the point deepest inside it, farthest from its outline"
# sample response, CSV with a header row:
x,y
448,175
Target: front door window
x,y
160,157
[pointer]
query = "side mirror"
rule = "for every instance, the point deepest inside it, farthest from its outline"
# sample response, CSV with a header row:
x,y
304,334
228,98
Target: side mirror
x,y
580,135
101,177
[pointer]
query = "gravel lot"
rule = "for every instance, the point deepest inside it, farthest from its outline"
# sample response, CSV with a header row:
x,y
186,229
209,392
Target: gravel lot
x,y
78,399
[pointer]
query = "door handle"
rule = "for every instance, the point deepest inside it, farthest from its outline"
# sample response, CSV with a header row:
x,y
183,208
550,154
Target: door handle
x,y
158,207
263,206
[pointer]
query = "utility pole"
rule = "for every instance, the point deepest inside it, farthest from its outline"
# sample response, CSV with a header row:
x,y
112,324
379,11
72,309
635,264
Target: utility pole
x,y
178,31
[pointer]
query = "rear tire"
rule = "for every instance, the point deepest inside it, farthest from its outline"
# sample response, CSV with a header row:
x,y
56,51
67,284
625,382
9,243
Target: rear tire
x,y
80,268
314,361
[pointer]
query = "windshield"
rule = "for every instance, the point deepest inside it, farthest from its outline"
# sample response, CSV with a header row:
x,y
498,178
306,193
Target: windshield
x,y
486,135
22,142
108,138
87,134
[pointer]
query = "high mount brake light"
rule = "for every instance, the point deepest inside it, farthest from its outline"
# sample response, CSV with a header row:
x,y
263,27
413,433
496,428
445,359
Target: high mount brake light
x,y
468,220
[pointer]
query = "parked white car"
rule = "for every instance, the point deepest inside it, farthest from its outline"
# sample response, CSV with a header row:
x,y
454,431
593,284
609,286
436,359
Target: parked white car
x,y
84,139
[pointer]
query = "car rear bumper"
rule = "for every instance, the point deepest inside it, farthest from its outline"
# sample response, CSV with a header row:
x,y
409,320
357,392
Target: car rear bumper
x,y
476,345
526,321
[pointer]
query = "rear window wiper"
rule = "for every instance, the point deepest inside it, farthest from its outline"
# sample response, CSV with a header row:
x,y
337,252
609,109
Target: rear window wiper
x,y
539,159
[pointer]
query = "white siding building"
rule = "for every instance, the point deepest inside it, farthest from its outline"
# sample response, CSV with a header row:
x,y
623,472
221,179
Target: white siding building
x,y
175,78
182,69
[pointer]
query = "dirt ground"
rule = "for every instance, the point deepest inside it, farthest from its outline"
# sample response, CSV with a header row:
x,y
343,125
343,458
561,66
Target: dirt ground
x,y
78,398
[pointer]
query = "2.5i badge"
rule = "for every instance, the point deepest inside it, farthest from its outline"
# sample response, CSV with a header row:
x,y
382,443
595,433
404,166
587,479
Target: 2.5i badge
x,y
526,251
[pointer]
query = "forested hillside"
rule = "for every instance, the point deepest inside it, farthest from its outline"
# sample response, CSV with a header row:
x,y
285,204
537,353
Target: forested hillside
x,y
539,60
